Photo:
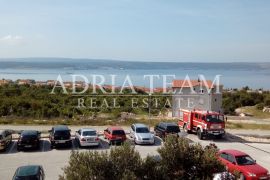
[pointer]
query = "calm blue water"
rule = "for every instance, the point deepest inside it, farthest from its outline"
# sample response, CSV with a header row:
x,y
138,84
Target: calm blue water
x,y
234,75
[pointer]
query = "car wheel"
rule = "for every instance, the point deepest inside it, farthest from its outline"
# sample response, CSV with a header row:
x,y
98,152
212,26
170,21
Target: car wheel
x,y
5,147
219,136
38,146
199,134
185,129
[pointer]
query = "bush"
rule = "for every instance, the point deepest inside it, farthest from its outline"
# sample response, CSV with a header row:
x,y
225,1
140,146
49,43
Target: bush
x,y
177,160
260,106
180,160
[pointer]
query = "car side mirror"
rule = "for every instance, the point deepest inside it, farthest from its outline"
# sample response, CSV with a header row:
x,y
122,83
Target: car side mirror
x,y
234,163
255,161
39,132
76,131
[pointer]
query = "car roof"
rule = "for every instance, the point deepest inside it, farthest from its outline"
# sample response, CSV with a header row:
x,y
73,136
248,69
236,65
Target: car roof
x,y
27,170
87,129
29,132
116,128
233,152
169,124
61,127
140,125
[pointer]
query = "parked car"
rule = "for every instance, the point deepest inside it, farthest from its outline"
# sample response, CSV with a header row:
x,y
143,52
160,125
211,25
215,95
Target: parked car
x,y
141,134
60,135
87,137
5,139
115,135
165,128
32,172
237,161
28,139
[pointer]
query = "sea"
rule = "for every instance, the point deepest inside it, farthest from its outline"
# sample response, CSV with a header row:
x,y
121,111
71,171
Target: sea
x,y
255,75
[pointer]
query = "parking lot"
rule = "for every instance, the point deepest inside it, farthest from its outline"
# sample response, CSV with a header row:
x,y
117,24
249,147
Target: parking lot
x,y
54,159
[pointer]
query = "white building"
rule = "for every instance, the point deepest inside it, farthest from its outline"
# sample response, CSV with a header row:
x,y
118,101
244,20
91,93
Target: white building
x,y
196,94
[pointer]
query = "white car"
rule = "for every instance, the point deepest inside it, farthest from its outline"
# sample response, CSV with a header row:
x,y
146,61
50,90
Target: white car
x,y
141,134
87,137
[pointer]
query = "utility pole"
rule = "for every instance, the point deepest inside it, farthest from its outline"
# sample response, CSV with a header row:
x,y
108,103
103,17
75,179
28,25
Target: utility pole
x,y
149,108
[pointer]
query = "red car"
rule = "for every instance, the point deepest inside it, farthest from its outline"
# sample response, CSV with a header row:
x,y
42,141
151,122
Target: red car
x,y
235,160
115,135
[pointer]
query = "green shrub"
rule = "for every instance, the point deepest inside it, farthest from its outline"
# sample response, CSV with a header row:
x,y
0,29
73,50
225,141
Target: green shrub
x,y
178,160
260,106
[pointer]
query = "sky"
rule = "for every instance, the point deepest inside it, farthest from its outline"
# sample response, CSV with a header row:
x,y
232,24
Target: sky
x,y
137,30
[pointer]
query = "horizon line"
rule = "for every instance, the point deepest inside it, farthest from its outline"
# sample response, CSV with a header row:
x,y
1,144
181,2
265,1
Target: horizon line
x,y
127,60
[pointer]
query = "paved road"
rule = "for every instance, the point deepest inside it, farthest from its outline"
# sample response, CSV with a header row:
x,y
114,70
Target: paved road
x,y
54,160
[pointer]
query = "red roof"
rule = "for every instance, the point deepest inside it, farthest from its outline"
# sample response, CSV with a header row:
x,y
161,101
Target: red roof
x,y
185,83
234,152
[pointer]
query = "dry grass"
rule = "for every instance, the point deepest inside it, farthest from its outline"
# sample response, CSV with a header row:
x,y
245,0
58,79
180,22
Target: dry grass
x,y
255,112
230,125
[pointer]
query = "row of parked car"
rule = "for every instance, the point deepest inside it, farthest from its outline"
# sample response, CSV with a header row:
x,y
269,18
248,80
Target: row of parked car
x,y
234,160
61,135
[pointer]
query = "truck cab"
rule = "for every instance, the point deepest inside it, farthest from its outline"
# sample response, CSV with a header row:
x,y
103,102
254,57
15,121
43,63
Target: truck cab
x,y
204,123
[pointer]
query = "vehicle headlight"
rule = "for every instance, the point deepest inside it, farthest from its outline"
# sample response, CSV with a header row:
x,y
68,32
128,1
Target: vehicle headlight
x,y
251,174
138,138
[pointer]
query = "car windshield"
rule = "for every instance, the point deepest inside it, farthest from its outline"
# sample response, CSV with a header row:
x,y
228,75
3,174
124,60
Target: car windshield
x,y
118,132
244,160
173,129
62,133
27,171
142,130
214,118
89,133
29,133
28,136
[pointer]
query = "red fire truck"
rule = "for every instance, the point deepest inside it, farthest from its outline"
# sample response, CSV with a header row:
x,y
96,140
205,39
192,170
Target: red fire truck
x,y
204,123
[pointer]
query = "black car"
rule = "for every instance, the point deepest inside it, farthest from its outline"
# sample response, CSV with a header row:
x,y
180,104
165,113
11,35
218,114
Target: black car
x,y
60,135
28,139
165,128
33,172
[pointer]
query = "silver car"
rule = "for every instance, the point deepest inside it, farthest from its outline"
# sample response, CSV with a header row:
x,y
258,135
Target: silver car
x,y
5,139
141,134
87,137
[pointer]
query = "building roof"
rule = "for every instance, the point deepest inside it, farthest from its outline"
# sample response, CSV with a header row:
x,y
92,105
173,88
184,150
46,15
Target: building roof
x,y
185,83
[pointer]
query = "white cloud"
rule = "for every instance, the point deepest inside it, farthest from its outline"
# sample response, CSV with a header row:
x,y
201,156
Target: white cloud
x,y
11,40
